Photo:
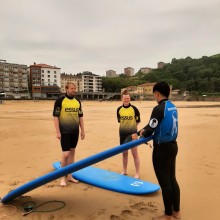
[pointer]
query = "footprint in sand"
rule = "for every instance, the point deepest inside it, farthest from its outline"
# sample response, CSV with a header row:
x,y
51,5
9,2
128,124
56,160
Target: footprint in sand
x,y
114,217
144,207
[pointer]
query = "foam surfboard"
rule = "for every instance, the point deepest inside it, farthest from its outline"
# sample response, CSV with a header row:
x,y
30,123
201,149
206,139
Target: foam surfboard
x,y
71,168
112,181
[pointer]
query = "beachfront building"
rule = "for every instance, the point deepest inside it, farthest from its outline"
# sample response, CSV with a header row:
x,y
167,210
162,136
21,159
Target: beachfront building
x,y
134,89
129,71
76,79
148,88
90,82
111,73
44,81
13,80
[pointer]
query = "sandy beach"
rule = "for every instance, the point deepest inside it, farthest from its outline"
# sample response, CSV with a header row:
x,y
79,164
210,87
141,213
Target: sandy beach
x,y
28,147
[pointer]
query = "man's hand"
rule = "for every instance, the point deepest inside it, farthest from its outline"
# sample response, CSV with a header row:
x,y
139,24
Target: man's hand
x,y
58,135
134,136
82,135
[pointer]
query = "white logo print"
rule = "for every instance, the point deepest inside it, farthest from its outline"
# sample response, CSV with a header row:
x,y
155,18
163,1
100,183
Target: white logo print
x,y
153,123
137,183
174,128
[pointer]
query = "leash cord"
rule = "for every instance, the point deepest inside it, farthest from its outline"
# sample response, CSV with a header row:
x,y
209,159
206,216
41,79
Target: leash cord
x,y
32,207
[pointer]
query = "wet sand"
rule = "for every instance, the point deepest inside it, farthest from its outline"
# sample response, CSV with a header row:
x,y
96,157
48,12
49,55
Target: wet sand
x,y
28,147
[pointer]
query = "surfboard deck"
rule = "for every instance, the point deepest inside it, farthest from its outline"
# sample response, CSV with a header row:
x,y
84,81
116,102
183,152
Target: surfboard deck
x,y
112,181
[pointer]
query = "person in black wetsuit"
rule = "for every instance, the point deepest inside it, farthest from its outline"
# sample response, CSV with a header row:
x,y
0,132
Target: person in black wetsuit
x,y
68,117
163,126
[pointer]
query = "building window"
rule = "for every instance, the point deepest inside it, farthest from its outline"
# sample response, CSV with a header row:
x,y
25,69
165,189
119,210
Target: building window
x,y
55,76
48,76
48,71
42,71
55,71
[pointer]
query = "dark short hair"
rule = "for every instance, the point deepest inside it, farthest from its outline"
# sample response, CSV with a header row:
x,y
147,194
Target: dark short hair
x,y
163,88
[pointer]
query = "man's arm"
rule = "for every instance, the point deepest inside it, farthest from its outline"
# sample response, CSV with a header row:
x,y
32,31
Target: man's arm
x,y
81,124
57,127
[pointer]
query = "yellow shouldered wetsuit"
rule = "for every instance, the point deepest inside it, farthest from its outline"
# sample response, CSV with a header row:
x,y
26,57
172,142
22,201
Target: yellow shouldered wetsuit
x,y
68,110
128,117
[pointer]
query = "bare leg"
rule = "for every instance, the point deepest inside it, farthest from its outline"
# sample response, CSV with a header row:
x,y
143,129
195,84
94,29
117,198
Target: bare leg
x,y
125,162
136,162
64,162
70,161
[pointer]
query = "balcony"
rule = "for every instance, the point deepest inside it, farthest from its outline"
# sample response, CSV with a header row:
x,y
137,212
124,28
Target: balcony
x,y
5,83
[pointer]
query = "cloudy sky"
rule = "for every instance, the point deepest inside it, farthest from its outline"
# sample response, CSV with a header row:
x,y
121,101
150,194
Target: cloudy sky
x,y
98,35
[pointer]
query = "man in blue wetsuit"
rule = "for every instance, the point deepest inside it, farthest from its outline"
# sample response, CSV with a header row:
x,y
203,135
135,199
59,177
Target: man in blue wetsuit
x,y
163,125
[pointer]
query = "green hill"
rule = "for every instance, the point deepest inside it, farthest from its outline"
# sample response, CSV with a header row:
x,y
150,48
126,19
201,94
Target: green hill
x,y
187,74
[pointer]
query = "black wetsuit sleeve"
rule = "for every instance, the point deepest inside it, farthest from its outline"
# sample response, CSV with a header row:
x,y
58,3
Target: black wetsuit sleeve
x,y
137,114
80,113
118,115
57,107
156,117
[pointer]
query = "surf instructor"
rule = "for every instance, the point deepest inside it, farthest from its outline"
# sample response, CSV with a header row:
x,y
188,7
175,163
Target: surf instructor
x,y
68,117
163,124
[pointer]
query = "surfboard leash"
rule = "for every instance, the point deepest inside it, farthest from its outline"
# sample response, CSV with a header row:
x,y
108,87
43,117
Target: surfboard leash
x,y
31,206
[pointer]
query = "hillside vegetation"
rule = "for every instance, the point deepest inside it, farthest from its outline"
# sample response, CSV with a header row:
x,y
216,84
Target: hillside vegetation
x,y
194,75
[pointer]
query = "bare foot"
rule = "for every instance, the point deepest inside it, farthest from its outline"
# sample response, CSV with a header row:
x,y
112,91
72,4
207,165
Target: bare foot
x,y
163,217
63,181
123,173
176,215
71,179
137,176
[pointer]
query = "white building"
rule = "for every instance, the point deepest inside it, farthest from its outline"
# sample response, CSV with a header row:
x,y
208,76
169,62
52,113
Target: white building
x,y
44,80
90,82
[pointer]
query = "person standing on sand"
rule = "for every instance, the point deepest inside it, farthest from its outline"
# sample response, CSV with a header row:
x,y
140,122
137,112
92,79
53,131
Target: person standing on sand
x,y
129,117
68,117
163,125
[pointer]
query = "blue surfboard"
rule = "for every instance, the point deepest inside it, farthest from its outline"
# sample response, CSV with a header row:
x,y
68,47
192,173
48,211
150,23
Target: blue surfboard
x,y
112,181
71,168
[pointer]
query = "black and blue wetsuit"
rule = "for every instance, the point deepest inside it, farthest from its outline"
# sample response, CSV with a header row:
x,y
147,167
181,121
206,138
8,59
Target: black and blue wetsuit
x,y
163,125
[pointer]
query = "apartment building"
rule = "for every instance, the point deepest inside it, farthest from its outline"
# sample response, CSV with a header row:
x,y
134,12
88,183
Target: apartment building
x,y
76,79
14,80
111,73
44,81
160,65
90,82
129,71
145,70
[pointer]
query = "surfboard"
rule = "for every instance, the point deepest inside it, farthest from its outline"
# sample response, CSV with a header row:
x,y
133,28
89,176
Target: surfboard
x,y
112,181
71,168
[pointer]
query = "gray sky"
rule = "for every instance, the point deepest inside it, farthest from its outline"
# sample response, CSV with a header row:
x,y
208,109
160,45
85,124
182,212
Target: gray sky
x,y
98,35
